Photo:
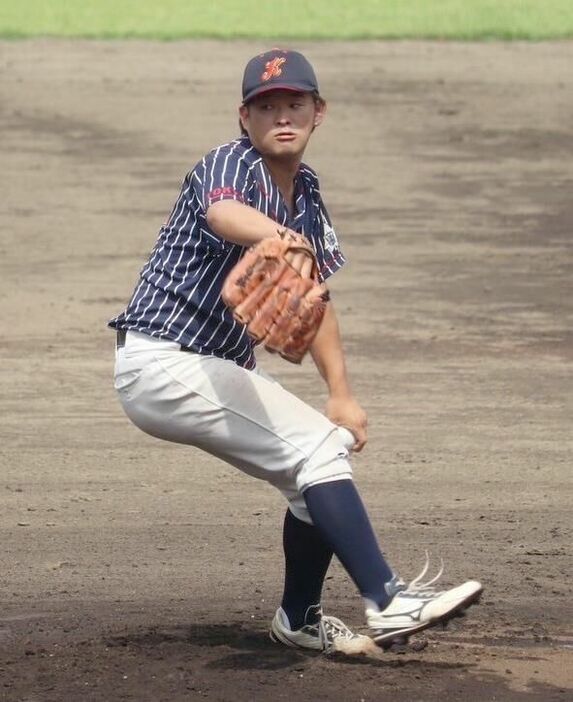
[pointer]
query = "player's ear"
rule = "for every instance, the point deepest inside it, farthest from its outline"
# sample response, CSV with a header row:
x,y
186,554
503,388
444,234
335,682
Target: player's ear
x,y
243,116
319,110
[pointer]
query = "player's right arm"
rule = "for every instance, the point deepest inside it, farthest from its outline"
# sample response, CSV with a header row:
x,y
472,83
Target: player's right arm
x,y
227,188
240,223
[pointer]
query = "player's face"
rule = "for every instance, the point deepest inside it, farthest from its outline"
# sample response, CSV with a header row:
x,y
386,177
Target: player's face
x,y
279,123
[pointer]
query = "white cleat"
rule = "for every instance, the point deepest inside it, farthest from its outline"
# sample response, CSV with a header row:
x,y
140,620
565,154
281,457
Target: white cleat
x,y
418,606
327,634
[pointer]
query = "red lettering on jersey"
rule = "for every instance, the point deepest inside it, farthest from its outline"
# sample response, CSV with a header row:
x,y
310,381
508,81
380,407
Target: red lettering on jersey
x,y
227,192
273,68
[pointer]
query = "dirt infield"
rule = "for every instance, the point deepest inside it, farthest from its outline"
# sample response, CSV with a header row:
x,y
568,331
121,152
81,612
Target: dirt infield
x,y
136,570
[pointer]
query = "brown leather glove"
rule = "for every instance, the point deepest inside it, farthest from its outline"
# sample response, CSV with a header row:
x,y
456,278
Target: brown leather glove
x,y
274,291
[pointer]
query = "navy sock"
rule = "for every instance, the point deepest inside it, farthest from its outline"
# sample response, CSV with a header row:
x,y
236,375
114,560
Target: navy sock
x,y
307,557
339,515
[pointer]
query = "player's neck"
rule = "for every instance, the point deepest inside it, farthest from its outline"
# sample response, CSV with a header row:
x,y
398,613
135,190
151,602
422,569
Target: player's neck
x,y
283,174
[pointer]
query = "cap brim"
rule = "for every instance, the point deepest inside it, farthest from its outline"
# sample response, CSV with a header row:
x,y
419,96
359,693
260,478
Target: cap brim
x,y
291,87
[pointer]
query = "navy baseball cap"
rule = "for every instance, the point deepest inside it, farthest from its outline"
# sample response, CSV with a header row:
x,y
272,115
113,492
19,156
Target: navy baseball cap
x,y
278,69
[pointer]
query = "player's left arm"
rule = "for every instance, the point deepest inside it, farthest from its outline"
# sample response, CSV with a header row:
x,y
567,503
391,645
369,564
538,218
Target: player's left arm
x,y
342,408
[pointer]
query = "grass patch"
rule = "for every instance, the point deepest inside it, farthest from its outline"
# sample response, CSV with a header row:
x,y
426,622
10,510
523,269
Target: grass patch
x,y
295,19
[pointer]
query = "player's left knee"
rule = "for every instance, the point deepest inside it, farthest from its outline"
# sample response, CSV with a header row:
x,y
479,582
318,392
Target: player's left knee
x,y
328,462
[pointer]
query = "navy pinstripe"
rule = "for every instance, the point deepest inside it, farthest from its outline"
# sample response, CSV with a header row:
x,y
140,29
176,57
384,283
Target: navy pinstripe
x,y
178,294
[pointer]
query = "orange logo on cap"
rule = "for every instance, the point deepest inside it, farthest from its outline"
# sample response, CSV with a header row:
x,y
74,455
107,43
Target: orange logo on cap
x,y
273,68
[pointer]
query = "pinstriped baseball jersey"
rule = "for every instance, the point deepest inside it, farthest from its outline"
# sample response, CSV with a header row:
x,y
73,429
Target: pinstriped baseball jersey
x,y
178,296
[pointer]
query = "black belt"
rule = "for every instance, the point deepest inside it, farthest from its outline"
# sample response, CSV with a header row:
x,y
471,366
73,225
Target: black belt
x,y
120,341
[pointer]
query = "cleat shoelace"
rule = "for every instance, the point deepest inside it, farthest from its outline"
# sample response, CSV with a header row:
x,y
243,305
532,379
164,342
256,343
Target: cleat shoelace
x,y
416,588
332,628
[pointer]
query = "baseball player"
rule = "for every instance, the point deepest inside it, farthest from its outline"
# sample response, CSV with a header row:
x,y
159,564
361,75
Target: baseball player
x,y
186,369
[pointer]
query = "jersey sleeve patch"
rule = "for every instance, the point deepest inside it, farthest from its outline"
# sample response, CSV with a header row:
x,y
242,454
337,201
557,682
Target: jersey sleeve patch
x,y
226,192
330,239
330,257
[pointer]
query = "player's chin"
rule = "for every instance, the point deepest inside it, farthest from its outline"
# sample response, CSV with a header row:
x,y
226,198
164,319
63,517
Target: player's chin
x,y
286,149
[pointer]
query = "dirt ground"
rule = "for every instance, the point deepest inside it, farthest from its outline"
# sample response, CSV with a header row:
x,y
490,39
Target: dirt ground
x,y
136,570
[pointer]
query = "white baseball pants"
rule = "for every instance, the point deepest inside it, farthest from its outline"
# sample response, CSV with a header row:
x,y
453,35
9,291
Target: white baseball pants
x,y
243,417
